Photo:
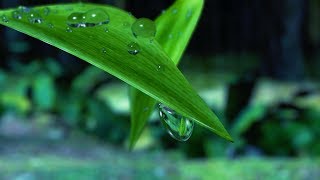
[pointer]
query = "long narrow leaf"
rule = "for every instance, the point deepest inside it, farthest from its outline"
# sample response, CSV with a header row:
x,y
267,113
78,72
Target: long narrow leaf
x,y
107,49
174,30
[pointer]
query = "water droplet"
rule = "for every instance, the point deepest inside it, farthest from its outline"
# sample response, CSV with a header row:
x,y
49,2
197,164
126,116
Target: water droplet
x,y
69,30
160,68
189,13
4,18
91,18
174,11
50,25
106,29
34,17
46,11
17,14
24,9
76,20
144,27
104,50
96,17
133,48
179,127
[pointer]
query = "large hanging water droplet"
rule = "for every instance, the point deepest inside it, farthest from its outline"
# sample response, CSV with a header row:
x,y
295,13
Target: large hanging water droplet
x,y
179,127
144,27
76,20
96,17
133,48
4,19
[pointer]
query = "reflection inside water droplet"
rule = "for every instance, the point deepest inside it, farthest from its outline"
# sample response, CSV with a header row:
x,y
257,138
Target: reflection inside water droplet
x,y
4,19
17,14
178,126
160,68
34,17
133,48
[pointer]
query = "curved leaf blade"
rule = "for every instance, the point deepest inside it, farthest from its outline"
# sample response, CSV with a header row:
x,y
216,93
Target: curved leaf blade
x,y
140,71
174,30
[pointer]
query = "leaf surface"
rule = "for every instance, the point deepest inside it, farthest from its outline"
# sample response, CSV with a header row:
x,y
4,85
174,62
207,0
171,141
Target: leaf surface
x,y
106,47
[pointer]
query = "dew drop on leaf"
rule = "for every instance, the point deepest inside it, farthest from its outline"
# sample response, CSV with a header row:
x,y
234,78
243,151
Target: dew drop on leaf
x,y
4,19
144,27
50,25
133,48
160,68
17,14
34,17
69,30
106,29
96,17
178,126
46,11
76,20
104,50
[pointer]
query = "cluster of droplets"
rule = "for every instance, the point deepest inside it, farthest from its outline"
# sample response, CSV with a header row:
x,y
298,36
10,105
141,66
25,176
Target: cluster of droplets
x,y
178,126
141,28
29,14
91,18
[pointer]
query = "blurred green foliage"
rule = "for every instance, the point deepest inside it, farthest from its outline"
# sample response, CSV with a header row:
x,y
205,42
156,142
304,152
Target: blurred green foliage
x,y
90,102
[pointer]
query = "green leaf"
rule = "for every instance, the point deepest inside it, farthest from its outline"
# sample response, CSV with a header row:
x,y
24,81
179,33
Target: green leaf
x,y
174,30
108,51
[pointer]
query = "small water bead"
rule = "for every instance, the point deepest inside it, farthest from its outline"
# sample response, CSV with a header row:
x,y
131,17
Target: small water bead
x,y
160,68
178,127
24,9
46,11
17,14
106,29
133,48
50,25
96,17
4,19
144,27
69,30
104,50
34,17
